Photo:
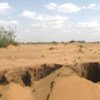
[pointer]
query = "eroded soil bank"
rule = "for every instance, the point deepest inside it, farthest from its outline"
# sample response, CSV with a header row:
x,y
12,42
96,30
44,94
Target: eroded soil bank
x,y
51,82
27,75
90,71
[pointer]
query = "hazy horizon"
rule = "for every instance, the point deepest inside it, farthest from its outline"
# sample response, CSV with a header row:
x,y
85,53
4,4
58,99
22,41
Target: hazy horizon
x,y
52,20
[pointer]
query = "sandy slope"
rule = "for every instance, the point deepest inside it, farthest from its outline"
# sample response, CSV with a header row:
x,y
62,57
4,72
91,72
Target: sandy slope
x,y
62,84
17,92
66,85
74,88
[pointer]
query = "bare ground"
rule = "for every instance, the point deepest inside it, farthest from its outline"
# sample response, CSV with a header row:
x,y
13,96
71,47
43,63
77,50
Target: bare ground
x,y
50,72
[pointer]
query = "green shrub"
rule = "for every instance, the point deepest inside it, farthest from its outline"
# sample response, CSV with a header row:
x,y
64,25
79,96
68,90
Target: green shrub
x,y
72,41
7,37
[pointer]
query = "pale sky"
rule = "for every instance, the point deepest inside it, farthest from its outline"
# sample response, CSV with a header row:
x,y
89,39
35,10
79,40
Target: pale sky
x,y
52,20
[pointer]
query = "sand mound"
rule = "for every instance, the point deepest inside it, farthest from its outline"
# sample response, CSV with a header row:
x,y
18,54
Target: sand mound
x,y
17,92
62,82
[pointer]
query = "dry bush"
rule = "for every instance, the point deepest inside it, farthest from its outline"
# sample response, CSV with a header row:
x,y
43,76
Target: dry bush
x,y
7,37
51,48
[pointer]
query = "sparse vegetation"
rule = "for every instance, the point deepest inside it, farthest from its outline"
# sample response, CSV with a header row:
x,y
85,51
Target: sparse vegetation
x,y
81,46
51,48
72,41
7,37
80,50
54,42
82,41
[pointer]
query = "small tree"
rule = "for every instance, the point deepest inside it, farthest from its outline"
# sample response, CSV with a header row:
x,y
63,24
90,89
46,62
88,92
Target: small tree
x,y
7,36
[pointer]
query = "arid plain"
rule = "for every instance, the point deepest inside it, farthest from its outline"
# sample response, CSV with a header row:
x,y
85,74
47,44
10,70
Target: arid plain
x,y
63,71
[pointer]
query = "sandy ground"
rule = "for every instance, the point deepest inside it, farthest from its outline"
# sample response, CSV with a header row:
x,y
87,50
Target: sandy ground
x,y
62,84
28,55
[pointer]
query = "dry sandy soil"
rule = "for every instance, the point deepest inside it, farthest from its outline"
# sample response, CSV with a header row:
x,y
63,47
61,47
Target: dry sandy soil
x,y
50,72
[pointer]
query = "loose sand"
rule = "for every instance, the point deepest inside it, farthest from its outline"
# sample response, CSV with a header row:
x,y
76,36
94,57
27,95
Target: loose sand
x,y
49,72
